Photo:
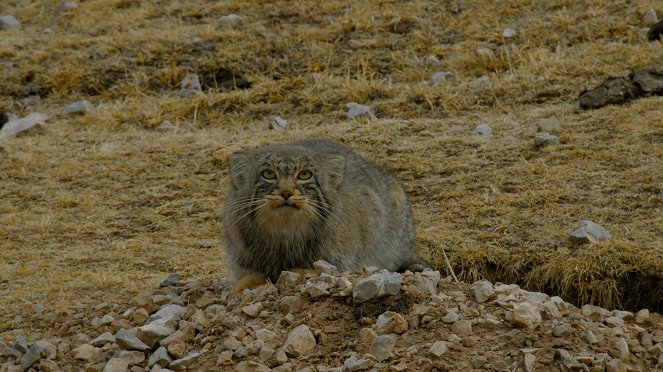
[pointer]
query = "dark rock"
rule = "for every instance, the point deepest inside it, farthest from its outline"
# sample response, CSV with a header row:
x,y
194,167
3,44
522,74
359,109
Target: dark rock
x,y
655,31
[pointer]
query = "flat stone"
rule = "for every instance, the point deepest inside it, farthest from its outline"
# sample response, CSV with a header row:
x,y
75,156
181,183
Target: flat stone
x,y
116,365
160,357
8,21
376,285
450,317
589,232
80,107
545,139
300,341
390,322
103,339
126,340
230,20
166,311
251,366
355,110
483,291
183,363
354,364
382,347
156,331
171,279
438,348
526,315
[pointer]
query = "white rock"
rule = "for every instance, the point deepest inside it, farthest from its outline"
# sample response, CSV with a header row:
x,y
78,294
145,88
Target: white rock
x,y
356,110
13,127
526,315
190,85
509,33
167,311
300,341
68,5
485,53
439,348
354,364
230,20
382,347
589,232
483,130
441,76
116,365
376,285
642,316
166,126
277,123
622,346
79,107
483,289
8,21
157,330
160,357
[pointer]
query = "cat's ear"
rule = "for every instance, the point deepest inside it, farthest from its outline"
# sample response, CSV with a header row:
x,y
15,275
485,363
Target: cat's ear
x,y
333,168
241,168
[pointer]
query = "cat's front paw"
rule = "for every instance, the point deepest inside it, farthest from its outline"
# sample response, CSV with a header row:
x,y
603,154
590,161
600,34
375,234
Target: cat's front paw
x,y
249,281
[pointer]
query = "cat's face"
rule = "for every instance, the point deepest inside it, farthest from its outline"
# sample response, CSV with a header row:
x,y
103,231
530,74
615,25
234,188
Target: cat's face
x,y
283,189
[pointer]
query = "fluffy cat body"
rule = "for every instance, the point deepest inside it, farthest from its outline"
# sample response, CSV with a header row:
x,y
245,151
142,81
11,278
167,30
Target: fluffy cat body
x,y
291,205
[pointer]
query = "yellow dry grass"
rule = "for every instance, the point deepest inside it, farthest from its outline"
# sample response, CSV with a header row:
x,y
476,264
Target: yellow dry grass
x,y
102,206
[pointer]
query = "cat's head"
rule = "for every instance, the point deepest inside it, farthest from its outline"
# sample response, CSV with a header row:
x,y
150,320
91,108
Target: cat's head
x,y
285,185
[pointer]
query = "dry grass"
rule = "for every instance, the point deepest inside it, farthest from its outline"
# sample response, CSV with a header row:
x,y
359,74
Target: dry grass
x,y
101,202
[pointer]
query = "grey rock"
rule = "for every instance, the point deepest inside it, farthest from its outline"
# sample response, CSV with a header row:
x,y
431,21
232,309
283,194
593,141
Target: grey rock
x,y
562,330
10,353
80,107
126,340
589,232
440,77
190,85
14,126
157,330
626,316
252,310
38,309
87,353
545,139
116,365
288,280
526,315
277,123
291,304
462,328
166,311
483,291
438,348
38,350
355,110
354,364
529,362
166,126
509,33
567,360
382,347
594,313
450,317
103,339
615,365
8,21
160,357
376,285
390,322
320,286
171,279
68,5
183,363
614,321
483,130
590,337
230,20
21,344
300,341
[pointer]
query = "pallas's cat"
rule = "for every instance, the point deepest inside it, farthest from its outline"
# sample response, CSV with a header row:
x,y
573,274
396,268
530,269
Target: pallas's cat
x,y
291,205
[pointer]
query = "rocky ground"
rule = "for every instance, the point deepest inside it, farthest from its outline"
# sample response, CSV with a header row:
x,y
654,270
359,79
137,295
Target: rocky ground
x,y
331,321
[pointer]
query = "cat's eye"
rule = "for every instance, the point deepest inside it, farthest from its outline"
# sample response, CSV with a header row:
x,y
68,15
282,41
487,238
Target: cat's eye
x,y
304,175
268,174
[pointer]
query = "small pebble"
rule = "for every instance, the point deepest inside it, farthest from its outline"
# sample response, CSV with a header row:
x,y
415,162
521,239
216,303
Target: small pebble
x,y
8,21
80,107
545,139
589,232
650,18
277,123
356,110
509,33
440,77
483,130
230,20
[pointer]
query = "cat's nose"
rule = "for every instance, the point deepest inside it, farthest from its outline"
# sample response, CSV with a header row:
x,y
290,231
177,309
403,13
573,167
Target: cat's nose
x,y
285,194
